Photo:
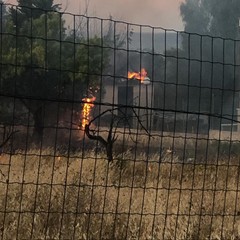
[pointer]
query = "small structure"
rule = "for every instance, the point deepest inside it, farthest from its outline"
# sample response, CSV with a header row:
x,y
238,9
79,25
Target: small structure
x,y
131,95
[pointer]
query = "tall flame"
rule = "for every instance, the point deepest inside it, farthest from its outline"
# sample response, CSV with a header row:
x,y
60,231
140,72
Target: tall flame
x,y
138,75
86,111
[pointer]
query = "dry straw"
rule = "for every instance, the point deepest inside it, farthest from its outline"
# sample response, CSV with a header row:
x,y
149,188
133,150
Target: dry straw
x,y
83,197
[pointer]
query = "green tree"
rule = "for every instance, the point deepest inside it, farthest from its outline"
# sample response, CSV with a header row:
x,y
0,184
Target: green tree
x,y
214,17
4,102
3,11
206,64
30,62
27,9
46,61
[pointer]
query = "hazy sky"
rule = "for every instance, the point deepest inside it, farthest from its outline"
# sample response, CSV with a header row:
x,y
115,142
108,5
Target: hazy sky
x,y
162,13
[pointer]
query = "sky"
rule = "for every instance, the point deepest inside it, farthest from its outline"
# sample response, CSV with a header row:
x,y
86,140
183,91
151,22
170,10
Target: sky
x,y
163,13
157,13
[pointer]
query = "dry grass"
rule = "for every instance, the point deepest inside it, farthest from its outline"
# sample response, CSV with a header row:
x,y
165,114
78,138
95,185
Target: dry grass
x,y
83,197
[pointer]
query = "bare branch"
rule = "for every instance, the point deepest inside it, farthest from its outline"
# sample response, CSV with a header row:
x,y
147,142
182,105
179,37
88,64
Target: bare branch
x,y
140,122
114,124
7,137
66,6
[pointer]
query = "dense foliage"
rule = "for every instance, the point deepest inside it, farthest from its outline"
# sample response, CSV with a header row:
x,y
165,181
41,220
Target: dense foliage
x,y
43,59
204,66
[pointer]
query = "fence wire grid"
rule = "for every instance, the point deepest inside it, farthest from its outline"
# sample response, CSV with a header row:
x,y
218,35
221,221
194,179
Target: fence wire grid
x,y
113,130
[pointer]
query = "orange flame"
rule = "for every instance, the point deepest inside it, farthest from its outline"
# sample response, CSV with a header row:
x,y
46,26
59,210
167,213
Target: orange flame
x,y
138,75
86,111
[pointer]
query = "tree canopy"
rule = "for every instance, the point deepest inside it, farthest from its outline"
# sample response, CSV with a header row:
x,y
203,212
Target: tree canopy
x,y
204,68
44,59
214,17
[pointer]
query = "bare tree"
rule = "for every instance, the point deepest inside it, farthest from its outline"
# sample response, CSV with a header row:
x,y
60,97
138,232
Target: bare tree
x,y
115,121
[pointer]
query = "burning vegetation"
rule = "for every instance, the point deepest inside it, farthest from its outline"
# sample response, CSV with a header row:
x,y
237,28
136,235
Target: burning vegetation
x,y
88,102
86,111
141,76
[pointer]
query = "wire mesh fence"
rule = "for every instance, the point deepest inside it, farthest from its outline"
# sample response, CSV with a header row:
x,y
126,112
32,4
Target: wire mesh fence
x,y
112,130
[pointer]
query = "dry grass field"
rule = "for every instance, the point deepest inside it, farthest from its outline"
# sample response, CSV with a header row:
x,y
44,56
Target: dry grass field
x,y
48,196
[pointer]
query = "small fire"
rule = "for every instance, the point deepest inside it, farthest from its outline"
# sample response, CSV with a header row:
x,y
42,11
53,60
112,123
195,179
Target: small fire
x,y
86,111
138,75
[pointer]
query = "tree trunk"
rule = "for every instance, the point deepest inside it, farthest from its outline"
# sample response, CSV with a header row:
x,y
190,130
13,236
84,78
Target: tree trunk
x,y
38,125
